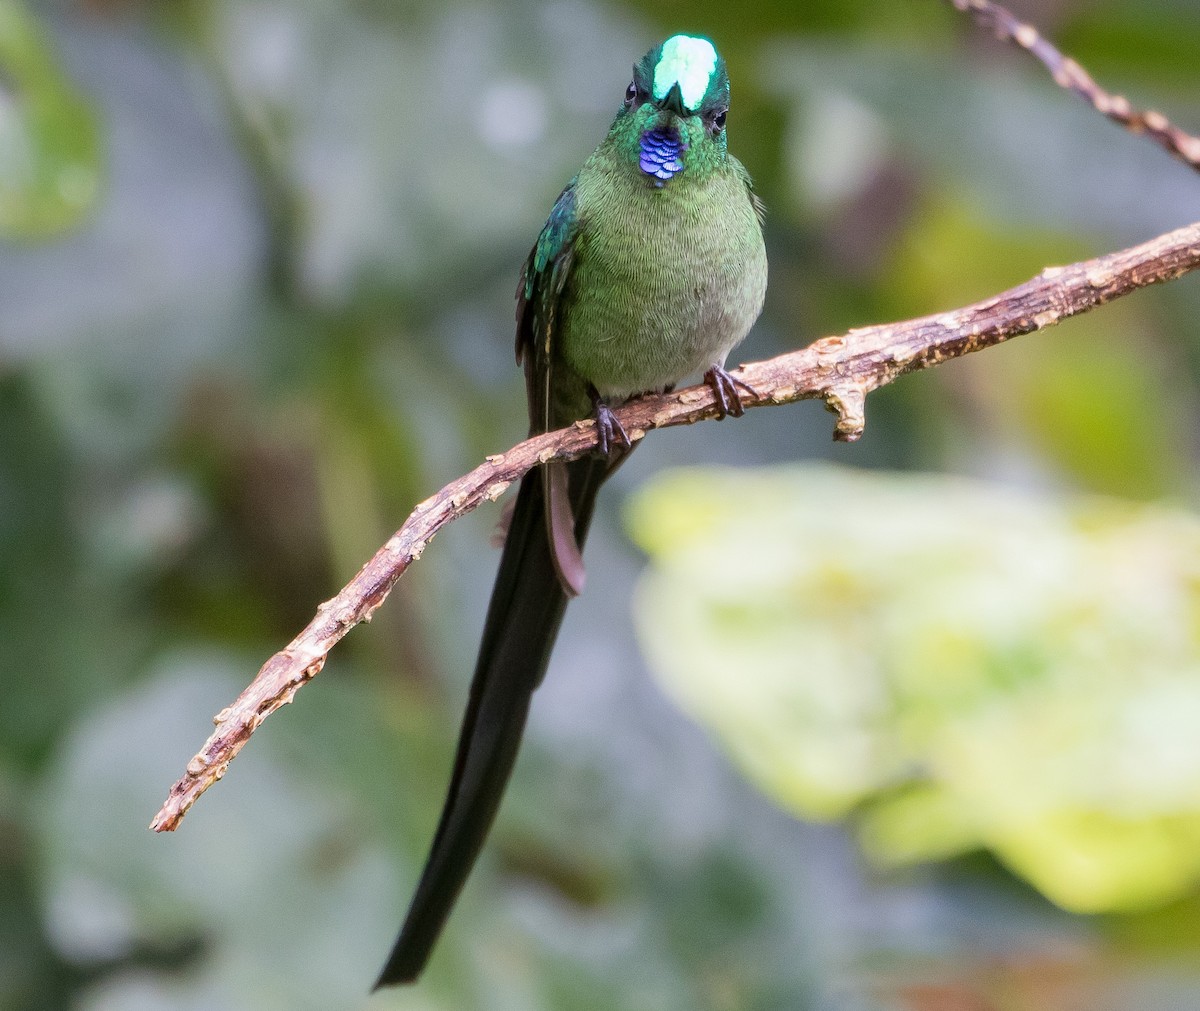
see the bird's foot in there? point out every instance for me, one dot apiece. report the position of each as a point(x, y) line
point(610, 434)
point(725, 389)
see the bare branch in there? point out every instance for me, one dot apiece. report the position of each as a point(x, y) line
point(1070, 75)
point(841, 370)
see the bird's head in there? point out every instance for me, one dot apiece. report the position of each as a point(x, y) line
point(673, 119)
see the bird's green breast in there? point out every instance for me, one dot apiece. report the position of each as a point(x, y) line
point(665, 281)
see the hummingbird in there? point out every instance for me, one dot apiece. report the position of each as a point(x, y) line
point(650, 268)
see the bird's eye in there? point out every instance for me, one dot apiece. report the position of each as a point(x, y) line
point(719, 121)
point(630, 94)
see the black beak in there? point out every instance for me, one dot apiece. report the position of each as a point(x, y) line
point(674, 101)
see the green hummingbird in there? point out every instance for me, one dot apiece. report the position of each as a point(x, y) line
point(650, 268)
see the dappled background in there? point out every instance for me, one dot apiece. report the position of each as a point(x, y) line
point(908, 724)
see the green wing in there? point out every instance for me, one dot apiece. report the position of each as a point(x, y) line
point(539, 299)
point(539, 304)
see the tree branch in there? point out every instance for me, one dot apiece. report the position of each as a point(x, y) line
point(1070, 75)
point(841, 370)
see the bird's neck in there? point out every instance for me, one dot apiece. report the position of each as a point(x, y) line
point(702, 156)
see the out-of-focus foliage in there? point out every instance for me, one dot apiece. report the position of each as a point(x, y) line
point(961, 664)
point(49, 148)
point(256, 301)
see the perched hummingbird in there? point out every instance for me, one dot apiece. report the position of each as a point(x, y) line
point(650, 268)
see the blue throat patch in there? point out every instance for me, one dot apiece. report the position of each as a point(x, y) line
point(661, 154)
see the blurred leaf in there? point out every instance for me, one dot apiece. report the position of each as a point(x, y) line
point(424, 143)
point(49, 144)
point(53, 622)
point(971, 666)
point(275, 887)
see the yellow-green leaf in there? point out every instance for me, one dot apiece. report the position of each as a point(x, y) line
point(962, 664)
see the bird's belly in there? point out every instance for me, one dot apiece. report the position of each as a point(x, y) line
point(659, 294)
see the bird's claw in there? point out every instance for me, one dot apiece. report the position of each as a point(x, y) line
point(610, 433)
point(725, 389)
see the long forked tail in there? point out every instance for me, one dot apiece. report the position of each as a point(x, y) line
point(522, 623)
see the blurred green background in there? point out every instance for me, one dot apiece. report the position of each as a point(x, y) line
point(909, 724)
